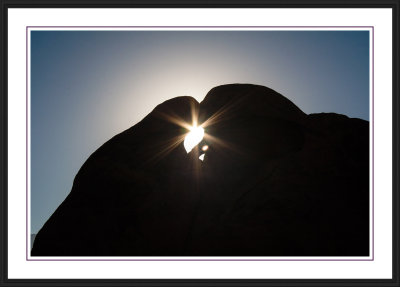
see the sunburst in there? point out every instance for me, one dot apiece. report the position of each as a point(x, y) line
point(197, 133)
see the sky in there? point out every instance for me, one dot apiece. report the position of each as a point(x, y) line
point(88, 86)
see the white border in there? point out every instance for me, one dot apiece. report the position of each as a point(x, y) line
point(20, 18)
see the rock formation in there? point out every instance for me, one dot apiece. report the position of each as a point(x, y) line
point(274, 182)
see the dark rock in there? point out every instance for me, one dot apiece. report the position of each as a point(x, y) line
point(274, 182)
point(32, 239)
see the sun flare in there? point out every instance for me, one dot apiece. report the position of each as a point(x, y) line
point(193, 138)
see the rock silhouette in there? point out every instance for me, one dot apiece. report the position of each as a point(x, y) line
point(274, 182)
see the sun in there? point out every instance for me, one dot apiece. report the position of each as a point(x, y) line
point(193, 138)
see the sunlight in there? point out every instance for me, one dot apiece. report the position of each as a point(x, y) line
point(202, 157)
point(193, 138)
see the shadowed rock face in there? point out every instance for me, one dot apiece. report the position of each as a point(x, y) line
point(274, 182)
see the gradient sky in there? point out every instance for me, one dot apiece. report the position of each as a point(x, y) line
point(87, 86)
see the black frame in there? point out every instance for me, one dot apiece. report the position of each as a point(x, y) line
point(5, 4)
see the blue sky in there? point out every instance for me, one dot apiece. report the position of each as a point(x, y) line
point(87, 86)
